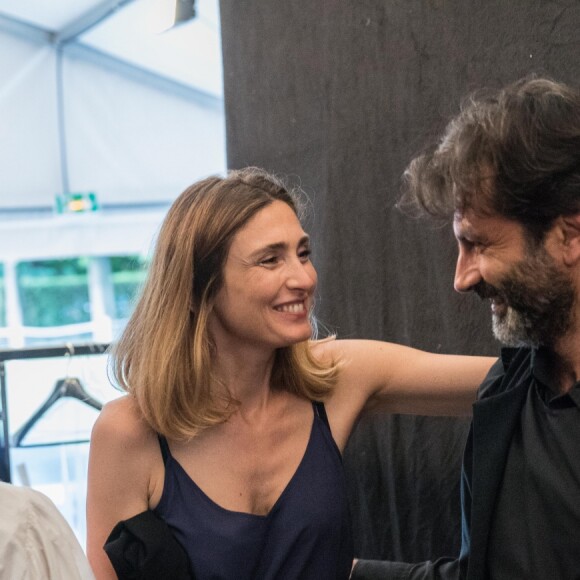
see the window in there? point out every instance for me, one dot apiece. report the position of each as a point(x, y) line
point(54, 292)
point(71, 300)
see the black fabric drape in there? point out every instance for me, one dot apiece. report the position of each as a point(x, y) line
point(337, 97)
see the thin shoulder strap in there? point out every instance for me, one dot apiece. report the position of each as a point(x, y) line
point(321, 412)
point(165, 453)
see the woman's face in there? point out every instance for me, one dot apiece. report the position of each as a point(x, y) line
point(268, 283)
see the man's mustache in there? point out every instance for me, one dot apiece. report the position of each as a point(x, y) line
point(486, 291)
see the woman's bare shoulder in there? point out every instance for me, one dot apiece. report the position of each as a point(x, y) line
point(122, 420)
point(326, 350)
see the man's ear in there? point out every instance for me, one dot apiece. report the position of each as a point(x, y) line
point(570, 232)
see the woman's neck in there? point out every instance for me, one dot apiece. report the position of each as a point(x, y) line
point(245, 374)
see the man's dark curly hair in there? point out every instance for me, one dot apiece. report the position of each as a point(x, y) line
point(514, 152)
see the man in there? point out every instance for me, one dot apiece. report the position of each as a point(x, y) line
point(508, 170)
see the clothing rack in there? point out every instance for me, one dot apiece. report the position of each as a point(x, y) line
point(31, 353)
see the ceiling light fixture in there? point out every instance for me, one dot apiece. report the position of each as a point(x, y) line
point(184, 11)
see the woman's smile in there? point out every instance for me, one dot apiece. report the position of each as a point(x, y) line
point(298, 308)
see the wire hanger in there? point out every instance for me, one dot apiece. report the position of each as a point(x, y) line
point(66, 387)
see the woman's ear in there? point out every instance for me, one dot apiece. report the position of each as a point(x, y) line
point(570, 232)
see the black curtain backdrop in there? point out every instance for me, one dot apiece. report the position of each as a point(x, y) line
point(337, 97)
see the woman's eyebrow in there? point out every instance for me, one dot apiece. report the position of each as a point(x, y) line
point(304, 240)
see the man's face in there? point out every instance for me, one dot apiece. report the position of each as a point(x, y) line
point(531, 294)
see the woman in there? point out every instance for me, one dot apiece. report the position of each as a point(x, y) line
point(219, 435)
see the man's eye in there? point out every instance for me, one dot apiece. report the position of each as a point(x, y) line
point(305, 254)
point(467, 244)
point(269, 261)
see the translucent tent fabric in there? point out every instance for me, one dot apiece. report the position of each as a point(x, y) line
point(126, 141)
point(82, 116)
point(29, 143)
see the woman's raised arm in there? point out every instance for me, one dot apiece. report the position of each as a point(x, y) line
point(399, 379)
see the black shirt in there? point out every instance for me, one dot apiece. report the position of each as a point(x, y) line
point(535, 532)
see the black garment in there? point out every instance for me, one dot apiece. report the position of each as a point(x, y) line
point(535, 530)
point(143, 548)
point(496, 418)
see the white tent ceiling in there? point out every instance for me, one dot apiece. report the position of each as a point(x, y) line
point(133, 31)
point(94, 97)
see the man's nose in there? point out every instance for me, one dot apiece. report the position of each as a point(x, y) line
point(467, 273)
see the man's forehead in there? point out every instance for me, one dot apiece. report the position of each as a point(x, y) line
point(462, 220)
point(474, 224)
point(468, 222)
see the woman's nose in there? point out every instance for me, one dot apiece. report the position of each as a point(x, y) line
point(302, 275)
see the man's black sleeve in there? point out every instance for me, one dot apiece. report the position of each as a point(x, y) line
point(441, 569)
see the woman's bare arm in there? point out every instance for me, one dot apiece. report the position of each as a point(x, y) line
point(122, 456)
point(400, 379)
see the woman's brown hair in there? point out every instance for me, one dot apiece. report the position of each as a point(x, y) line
point(165, 356)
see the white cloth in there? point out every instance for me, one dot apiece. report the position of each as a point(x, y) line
point(36, 542)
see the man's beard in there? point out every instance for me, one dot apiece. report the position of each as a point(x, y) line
point(539, 297)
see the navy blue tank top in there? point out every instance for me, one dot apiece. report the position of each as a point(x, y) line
point(305, 536)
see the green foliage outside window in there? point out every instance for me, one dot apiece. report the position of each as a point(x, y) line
point(54, 292)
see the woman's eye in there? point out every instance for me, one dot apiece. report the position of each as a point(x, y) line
point(305, 254)
point(271, 260)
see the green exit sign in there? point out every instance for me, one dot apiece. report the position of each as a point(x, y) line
point(76, 203)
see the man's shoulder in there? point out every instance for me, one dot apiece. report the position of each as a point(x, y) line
point(27, 515)
point(18, 501)
point(24, 506)
point(507, 372)
point(36, 541)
